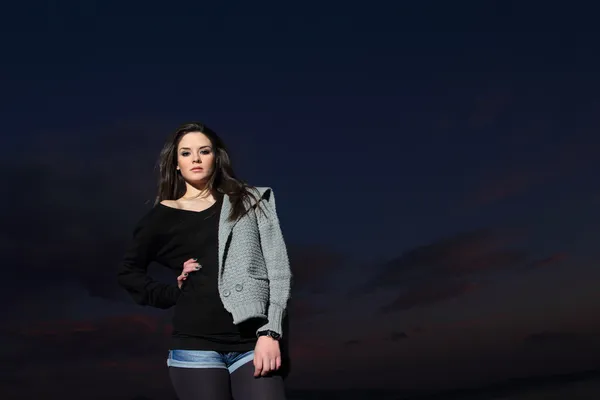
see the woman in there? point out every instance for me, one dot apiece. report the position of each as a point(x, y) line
point(223, 240)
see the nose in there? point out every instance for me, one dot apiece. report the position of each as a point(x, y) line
point(197, 159)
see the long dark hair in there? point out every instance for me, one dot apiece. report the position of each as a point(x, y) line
point(171, 185)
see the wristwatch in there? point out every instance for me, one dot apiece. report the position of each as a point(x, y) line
point(269, 333)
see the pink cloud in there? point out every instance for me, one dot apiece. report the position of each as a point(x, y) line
point(426, 295)
point(552, 259)
point(465, 323)
point(128, 324)
point(451, 257)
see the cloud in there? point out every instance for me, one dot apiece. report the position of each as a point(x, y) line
point(558, 338)
point(105, 357)
point(135, 332)
point(449, 258)
point(108, 339)
point(448, 268)
point(489, 319)
point(398, 336)
point(563, 346)
point(550, 260)
point(88, 379)
point(458, 255)
point(429, 294)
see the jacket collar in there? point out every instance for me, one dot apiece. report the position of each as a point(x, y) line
point(226, 226)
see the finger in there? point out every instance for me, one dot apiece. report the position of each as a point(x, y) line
point(190, 261)
point(266, 366)
point(273, 364)
point(278, 362)
point(192, 267)
point(257, 366)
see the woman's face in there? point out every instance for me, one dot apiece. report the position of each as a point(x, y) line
point(195, 157)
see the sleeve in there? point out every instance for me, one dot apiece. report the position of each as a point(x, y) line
point(132, 274)
point(277, 262)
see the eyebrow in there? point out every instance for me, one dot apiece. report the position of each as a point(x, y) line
point(187, 148)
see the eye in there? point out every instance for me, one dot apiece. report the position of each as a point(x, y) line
point(185, 153)
point(205, 152)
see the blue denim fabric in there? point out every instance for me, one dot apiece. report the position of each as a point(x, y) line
point(208, 359)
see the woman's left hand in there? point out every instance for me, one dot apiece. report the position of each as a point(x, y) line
point(267, 356)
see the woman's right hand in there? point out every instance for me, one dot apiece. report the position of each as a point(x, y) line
point(189, 266)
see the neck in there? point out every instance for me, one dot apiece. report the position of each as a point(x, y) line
point(196, 191)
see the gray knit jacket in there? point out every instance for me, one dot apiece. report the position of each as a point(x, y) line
point(254, 269)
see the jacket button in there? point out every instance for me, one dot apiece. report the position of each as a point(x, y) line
point(239, 287)
point(226, 293)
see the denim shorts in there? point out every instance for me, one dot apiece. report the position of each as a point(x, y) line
point(208, 359)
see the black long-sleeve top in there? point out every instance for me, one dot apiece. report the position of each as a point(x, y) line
point(170, 237)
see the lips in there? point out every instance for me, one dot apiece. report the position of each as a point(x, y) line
point(197, 169)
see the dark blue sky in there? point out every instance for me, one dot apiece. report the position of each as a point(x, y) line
point(435, 168)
